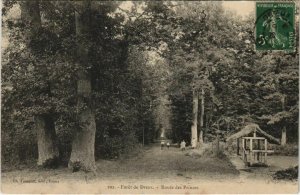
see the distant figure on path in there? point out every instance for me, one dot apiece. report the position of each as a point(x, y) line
point(182, 145)
point(162, 144)
point(168, 145)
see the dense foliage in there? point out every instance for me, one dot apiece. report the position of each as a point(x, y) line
point(146, 62)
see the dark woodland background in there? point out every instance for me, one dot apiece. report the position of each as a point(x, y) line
point(89, 80)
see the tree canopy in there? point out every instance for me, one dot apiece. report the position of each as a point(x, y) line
point(144, 62)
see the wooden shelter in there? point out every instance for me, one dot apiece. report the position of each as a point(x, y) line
point(254, 144)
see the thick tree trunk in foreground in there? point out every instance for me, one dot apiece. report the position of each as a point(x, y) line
point(47, 148)
point(83, 146)
point(283, 136)
point(195, 120)
point(201, 118)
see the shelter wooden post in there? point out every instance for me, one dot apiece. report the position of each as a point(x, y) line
point(243, 148)
point(258, 154)
point(250, 152)
point(266, 150)
point(254, 135)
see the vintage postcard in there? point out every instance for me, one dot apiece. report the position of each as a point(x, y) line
point(149, 97)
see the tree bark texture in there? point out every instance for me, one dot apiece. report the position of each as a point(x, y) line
point(44, 125)
point(195, 120)
point(201, 118)
point(47, 146)
point(283, 136)
point(283, 131)
point(83, 145)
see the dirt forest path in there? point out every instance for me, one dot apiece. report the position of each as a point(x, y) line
point(150, 163)
point(169, 163)
point(151, 167)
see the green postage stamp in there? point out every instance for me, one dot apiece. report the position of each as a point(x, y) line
point(275, 26)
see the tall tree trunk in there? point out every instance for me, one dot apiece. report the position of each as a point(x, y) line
point(283, 131)
point(47, 146)
point(283, 136)
point(46, 135)
point(201, 118)
point(83, 145)
point(195, 119)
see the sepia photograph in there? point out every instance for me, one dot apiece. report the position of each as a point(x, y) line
point(149, 97)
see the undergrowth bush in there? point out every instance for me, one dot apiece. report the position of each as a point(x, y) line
point(208, 150)
point(287, 174)
point(287, 150)
point(114, 147)
point(213, 151)
point(18, 143)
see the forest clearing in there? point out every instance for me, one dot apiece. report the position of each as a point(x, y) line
point(165, 95)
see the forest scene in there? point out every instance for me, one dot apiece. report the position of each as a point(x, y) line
point(144, 90)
